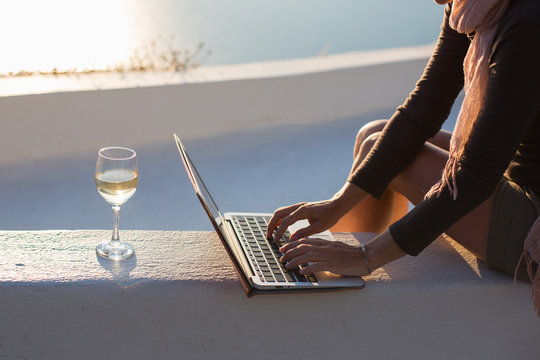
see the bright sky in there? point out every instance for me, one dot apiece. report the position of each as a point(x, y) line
point(68, 34)
point(41, 35)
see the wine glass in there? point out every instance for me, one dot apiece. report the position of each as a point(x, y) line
point(116, 178)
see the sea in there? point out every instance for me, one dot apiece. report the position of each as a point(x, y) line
point(37, 35)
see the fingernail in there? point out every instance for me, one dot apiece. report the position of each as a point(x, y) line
point(287, 265)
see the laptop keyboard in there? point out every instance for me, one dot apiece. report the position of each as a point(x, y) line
point(264, 255)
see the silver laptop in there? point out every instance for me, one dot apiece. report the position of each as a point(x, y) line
point(255, 258)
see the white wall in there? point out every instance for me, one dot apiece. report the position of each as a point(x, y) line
point(179, 298)
point(70, 122)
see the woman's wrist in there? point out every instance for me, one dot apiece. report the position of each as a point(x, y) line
point(348, 196)
point(365, 259)
point(382, 250)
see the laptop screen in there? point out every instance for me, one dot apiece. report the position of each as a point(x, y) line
point(198, 184)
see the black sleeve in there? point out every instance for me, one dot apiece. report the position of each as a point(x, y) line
point(420, 117)
point(510, 108)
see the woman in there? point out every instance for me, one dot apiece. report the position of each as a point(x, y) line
point(487, 197)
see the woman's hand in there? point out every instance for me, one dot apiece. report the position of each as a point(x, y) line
point(324, 255)
point(321, 214)
point(340, 258)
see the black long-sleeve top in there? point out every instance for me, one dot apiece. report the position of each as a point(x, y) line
point(505, 139)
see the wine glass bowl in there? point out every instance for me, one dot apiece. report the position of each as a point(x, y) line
point(116, 180)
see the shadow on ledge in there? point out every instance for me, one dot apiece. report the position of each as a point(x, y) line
point(443, 261)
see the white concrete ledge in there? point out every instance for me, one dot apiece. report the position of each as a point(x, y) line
point(179, 299)
point(79, 114)
point(13, 86)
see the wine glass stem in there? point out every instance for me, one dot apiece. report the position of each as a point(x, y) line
point(116, 217)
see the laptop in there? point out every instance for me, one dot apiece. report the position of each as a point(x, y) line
point(255, 258)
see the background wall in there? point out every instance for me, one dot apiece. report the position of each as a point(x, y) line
point(66, 123)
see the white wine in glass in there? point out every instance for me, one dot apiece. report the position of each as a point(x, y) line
point(116, 178)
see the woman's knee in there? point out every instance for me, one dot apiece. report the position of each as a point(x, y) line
point(367, 144)
point(361, 151)
point(366, 131)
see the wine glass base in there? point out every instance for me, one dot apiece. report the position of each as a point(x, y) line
point(119, 251)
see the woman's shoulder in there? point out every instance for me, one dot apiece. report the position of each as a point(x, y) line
point(522, 12)
point(521, 21)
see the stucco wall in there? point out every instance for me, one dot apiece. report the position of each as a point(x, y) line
point(179, 298)
point(84, 116)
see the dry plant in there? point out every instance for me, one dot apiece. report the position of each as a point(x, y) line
point(160, 55)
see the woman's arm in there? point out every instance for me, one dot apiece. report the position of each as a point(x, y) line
point(341, 258)
point(511, 107)
point(420, 117)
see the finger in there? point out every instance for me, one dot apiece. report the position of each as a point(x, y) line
point(275, 220)
point(308, 257)
point(316, 266)
point(314, 228)
point(272, 226)
point(288, 220)
point(310, 241)
point(295, 252)
point(303, 246)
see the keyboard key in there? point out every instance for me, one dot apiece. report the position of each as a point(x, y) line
point(299, 277)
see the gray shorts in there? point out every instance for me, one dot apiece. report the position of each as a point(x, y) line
point(514, 211)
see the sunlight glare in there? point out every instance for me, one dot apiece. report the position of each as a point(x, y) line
point(64, 34)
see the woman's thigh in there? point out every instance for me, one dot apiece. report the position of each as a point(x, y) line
point(418, 178)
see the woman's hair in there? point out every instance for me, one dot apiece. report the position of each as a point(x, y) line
point(480, 17)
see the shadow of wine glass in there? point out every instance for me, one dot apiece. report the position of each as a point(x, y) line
point(120, 270)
